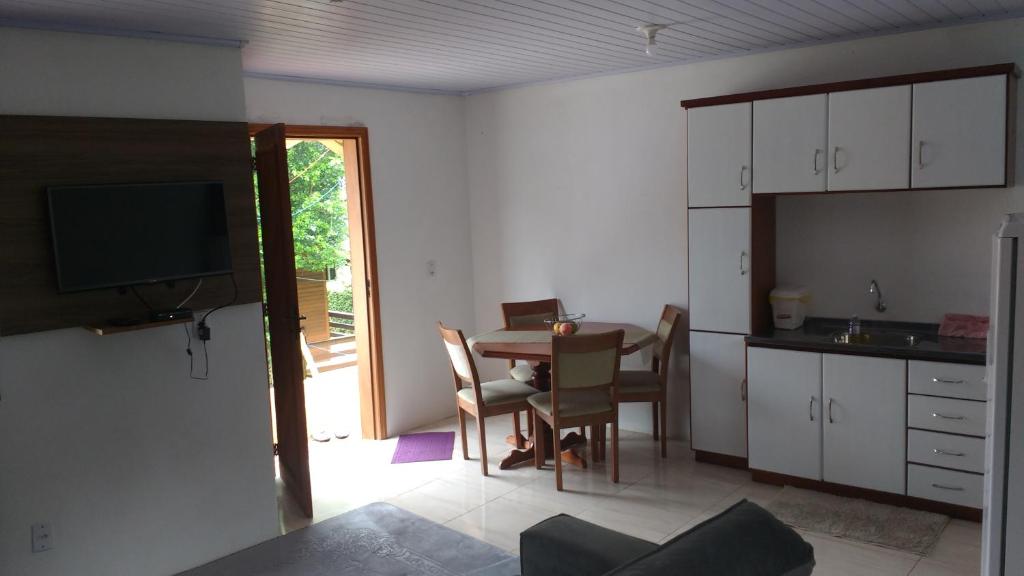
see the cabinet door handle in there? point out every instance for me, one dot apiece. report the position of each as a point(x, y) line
point(817, 152)
point(944, 487)
point(743, 263)
point(920, 154)
point(941, 452)
point(830, 420)
point(743, 390)
point(810, 409)
point(946, 416)
point(946, 381)
point(835, 160)
point(743, 182)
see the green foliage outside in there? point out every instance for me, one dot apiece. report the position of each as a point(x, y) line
point(316, 178)
point(340, 301)
point(319, 213)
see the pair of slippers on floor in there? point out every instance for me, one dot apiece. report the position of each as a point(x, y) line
point(325, 435)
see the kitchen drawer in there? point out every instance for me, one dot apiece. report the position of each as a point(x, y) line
point(961, 488)
point(944, 379)
point(946, 450)
point(946, 415)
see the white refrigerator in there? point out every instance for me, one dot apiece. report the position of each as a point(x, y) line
point(1003, 529)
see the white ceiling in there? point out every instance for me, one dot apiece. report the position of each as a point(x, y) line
point(470, 45)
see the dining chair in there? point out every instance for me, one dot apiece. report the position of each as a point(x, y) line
point(652, 385)
point(518, 314)
point(481, 399)
point(584, 384)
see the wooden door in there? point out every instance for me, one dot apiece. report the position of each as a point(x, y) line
point(790, 141)
point(784, 411)
point(718, 155)
point(865, 424)
point(720, 269)
point(718, 415)
point(283, 314)
point(869, 139)
point(959, 134)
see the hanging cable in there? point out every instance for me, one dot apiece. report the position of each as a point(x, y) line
point(191, 294)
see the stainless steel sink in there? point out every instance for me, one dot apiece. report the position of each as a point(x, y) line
point(877, 338)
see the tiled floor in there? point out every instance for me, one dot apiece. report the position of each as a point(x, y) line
point(655, 499)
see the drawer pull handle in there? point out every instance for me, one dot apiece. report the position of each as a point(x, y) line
point(830, 420)
point(947, 416)
point(810, 409)
point(944, 487)
point(941, 452)
point(946, 381)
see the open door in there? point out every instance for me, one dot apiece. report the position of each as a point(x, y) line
point(283, 314)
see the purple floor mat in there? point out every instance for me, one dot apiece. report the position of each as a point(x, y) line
point(423, 447)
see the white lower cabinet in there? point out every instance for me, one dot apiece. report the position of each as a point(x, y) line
point(952, 486)
point(718, 393)
point(864, 443)
point(831, 417)
point(784, 412)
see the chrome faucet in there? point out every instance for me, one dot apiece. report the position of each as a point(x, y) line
point(879, 302)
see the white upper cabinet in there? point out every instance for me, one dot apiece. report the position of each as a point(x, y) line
point(790, 141)
point(959, 133)
point(869, 139)
point(720, 269)
point(865, 422)
point(784, 411)
point(718, 155)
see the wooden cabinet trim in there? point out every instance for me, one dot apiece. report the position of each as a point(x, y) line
point(847, 85)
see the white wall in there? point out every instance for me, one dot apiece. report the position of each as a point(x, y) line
point(139, 469)
point(929, 251)
point(421, 209)
point(53, 73)
point(577, 190)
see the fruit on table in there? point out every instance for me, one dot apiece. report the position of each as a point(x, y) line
point(556, 327)
point(566, 328)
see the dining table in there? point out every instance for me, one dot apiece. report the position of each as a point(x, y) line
point(532, 343)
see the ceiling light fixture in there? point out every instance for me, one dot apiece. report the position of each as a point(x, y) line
point(650, 32)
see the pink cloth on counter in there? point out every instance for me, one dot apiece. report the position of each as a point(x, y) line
point(964, 326)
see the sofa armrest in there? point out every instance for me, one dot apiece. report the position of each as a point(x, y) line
point(566, 546)
point(745, 540)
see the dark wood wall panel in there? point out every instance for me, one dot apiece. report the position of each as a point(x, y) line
point(41, 151)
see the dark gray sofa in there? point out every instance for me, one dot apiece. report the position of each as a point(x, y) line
point(743, 540)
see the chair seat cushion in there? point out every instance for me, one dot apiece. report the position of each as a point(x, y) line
point(522, 373)
point(499, 392)
point(638, 382)
point(573, 403)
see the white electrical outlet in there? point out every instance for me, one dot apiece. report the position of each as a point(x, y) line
point(42, 538)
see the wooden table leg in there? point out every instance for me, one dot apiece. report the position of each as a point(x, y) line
point(572, 440)
point(570, 444)
point(511, 439)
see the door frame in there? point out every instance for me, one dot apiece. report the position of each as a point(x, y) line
point(369, 345)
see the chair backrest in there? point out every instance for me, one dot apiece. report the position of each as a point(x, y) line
point(585, 362)
point(529, 313)
point(463, 366)
point(672, 318)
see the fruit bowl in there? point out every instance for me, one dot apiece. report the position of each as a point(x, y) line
point(566, 324)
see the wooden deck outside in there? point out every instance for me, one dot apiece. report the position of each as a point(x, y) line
point(337, 352)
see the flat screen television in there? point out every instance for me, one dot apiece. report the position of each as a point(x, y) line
point(133, 234)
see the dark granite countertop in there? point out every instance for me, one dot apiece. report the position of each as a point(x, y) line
point(816, 336)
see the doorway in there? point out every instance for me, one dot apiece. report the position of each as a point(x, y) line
point(322, 316)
